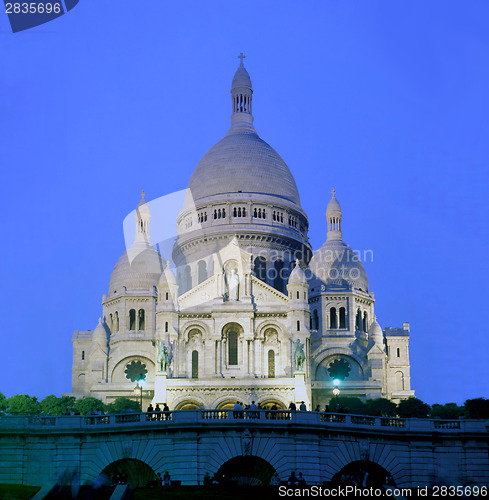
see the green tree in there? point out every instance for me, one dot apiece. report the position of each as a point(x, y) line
point(380, 406)
point(413, 408)
point(122, 404)
point(22, 404)
point(3, 404)
point(52, 405)
point(85, 405)
point(339, 404)
point(477, 408)
point(448, 411)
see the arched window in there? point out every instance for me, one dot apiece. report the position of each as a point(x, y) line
point(254, 213)
point(116, 321)
point(298, 326)
point(202, 271)
point(271, 363)
point(187, 279)
point(111, 322)
point(132, 319)
point(399, 381)
point(298, 295)
point(365, 321)
point(342, 317)
point(398, 352)
point(195, 364)
point(83, 355)
point(279, 281)
point(315, 320)
point(235, 212)
point(141, 319)
point(233, 348)
point(261, 268)
point(333, 318)
point(166, 296)
point(359, 320)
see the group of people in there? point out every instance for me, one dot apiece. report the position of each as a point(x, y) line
point(293, 407)
point(157, 413)
point(161, 481)
point(296, 480)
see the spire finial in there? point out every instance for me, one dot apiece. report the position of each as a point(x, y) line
point(241, 56)
point(333, 191)
point(142, 194)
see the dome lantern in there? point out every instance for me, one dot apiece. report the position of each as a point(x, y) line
point(241, 92)
point(143, 217)
point(333, 215)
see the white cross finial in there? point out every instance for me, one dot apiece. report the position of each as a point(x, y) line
point(333, 191)
point(241, 56)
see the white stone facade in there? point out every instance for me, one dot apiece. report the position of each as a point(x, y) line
point(245, 311)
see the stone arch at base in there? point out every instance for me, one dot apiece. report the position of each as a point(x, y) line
point(188, 403)
point(245, 470)
point(267, 402)
point(136, 472)
point(363, 473)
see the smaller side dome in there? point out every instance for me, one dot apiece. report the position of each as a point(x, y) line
point(375, 332)
point(297, 276)
point(99, 334)
point(139, 267)
point(167, 277)
point(335, 263)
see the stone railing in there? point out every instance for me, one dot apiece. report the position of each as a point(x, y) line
point(230, 417)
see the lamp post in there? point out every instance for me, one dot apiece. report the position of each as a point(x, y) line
point(336, 391)
point(138, 391)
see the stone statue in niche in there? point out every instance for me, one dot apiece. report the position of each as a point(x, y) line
point(233, 285)
point(299, 355)
point(163, 359)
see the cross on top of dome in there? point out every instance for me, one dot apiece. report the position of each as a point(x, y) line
point(241, 56)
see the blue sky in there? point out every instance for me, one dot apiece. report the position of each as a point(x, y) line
point(385, 101)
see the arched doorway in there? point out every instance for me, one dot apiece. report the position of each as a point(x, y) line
point(363, 473)
point(135, 472)
point(246, 470)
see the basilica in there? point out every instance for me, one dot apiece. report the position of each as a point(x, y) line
point(242, 309)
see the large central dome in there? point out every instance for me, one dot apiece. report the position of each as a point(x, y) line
point(242, 162)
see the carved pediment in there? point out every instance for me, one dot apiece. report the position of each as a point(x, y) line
point(266, 295)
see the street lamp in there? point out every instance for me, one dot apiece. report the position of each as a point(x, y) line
point(336, 391)
point(138, 391)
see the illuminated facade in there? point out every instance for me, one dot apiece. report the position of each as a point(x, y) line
point(242, 309)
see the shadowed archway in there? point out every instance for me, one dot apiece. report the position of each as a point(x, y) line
point(363, 473)
point(246, 470)
point(136, 472)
